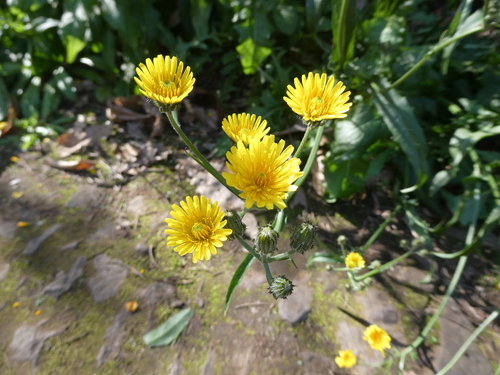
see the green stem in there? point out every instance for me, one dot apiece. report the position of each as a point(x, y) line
point(429, 54)
point(383, 267)
point(279, 221)
point(379, 230)
point(451, 288)
point(310, 161)
point(269, 275)
point(250, 249)
point(469, 341)
point(302, 143)
point(242, 213)
point(172, 116)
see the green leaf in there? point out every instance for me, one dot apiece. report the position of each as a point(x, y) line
point(237, 277)
point(323, 257)
point(4, 100)
point(354, 134)
point(406, 131)
point(167, 332)
point(343, 28)
point(251, 55)
point(51, 98)
point(73, 47)
point(200, 14)
point(286, 19)
point(344, 178)
point(64, 83)
point(30, 101)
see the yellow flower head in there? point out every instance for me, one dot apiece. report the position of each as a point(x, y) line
point(164, 79)
point(14, 159)
point(377, 338)
point(353, 260)
point(197, 227)
point(22, 224)
point(345, 359)
point(17, 194)
point(244, 127)
point(262, 172)
point(316, 98)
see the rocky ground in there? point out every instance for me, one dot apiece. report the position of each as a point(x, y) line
point(83, 250)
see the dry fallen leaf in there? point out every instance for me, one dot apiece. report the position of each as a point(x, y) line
point(131, 306)
point(71, 165)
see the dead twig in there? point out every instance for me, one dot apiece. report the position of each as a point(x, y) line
point(249, 304)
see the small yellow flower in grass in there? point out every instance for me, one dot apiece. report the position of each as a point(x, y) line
point(39, 185)
point(354, 260)
point(38, 312)
point(17, 194)
point(22, 224)
point(244, 127)
point(142, 270)
point(14, 159)
point(15, 304)
point(346, 359)
point(317, 98)
point(262, 172)
point(197, 227)
point(164, 80)
point(377, 338)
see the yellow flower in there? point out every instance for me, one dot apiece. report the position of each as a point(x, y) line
point(353, 260)
point(38, 312)
point(244, 127)
point(498, 285)
point(164, 79)
point(262, 172)
point(15, 304)
point(197, 227)
point(345, 359)
point(22, 224)
point(142, 270)
point(16, 194)
point(14, 159)
point(316, 98)
point(377, 338)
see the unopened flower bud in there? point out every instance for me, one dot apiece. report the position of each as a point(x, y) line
point(303, 237)
point(234, 222)
point(280, 287)
point(341, 240)
point(266, 241)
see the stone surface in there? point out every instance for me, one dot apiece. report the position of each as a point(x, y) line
point(115, 334)
point(137, 206)
point(86, 196)
point(297, 307)
point(63, 283)
point(4, 269)
point(28, 341)
point(207, 185)
point(35, 243)
point(109, 276)
point(107, 232)
point(316, 363)
point(455, 329)
point(8, 229)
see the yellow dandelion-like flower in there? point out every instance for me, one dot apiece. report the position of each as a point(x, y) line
point(262, 172)
point(377, 338)
point(22, 224)
point(164, 79)
point(354, 260)
point(14, 159)
point(345, 359)
point(38, 312)
point(15, 304)
point(197, 227)
point(244, 127)
point(17, 194)
point(317, 98)
point(498, 285)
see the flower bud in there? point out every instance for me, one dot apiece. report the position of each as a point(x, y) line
point(234, 222)
point(341, 240)
point(303, 237)
point(266, 241)
point(280, 287)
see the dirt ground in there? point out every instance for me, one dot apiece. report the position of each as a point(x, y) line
point(105, 246)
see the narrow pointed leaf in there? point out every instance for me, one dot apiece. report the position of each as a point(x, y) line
point(167, 332)
point(237, 277)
